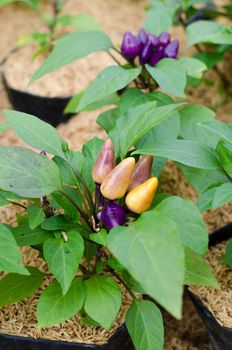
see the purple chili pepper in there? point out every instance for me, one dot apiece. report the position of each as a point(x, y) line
point(130, 45)
point(143, 37)
point(42, 153)
point(157, 56)
point(154, 40)
point(146, 53)
point(171, 50)
point(164, 38)
point(113, 215)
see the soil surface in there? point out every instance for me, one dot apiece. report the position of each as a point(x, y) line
point(115, 18)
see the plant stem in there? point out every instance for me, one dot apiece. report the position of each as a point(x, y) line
point(122, 282)
point(18, 204)
point(82, 213)
point(114, 58)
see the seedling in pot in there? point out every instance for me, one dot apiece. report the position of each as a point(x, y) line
point(101, 225)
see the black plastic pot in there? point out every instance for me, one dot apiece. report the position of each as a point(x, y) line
point(220, 337)
point(49, 109)
point(120, 340)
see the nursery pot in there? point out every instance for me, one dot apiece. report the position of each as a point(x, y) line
point(49, 109)
point(120, 340)
point(220, 337)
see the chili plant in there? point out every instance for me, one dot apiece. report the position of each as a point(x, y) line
point(210, 38)
point(99, 222)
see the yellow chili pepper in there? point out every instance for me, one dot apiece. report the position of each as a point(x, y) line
point(140, 198)
point(104, 163)
point(115, 184)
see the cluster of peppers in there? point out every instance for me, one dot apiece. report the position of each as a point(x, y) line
point(149, 47)
point(122, 189)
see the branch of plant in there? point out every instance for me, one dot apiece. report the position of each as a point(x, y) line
point(120, 280)
point(18, 204)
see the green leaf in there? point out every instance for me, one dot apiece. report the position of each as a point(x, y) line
point(54, 307)
point(218, 129)
point(71, 48)
point(36, 216)
point(27, 173)
point(145, 325)
point(4, 127)
point(228, 255)
point(225, 153)
point(58, 222)
point(205, 201)
point(103, 299)
point(83, 22)
point(158, 19)
point(190, 116)
point(25, 236)
point(14, 287)
point(35, 132)
point(100, 237)
point(107, 120)
point(193, 67)
point(151, 251)
point(198, 272)
point(170, 76)
point(222, 195)
point(210, 59)
point(72, 106)
point(111, 79)
point(63, 258)
point(208, 32)
point(185, 152)
point(131, 127)
point(191, 227)
point(92, 148)
point(10, 257)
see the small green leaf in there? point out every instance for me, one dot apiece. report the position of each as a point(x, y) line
point(151, 251)
point(103, 299)
point(219, 129)
point(27, 173)
point(191, 227)
point(100, 237)
point(170, 76)
point(25, 236)
point(225, 152)
point(145, 325)
point(197, 271)
point(111, 79)
point(71, 48)
point(58, 223)
point(14, 287)
point(10, 257)
point(222, 195)
point(205, 201)
point(36, 216)
point(83, 22)
point(35, 132)
point(208, 32)
point(54, 307)
point(92, 148)
point(185, 152)
point(193, 67)
point(63, 258)
point(107, 120)
point(158, 19)
point(210, 59)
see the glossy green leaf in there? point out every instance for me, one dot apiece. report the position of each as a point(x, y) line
point(209, 32)
point(71, 48)
point(107, 120)
point(218, 129)
point(25, 236)
point(185, 152)
point(58, 222)
point(205, 200)
point(100, 237)
point(27, 173)
point(14, 287)
point(35, 132)
point(36, 216)
point(151, 247)
point(198, 272)
point(222, 195)
point(111, 79)
point(131, 127)
point(103, 299)
point(54, 307)
point(191, 227)
point(145, 325)
point(190, 116)
point(210, 59)
point(193, 67)
point(91, 148)
point(63, 257)
point(84, 22)
point(170, 76)
point(225, 153)
point(10, 257)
